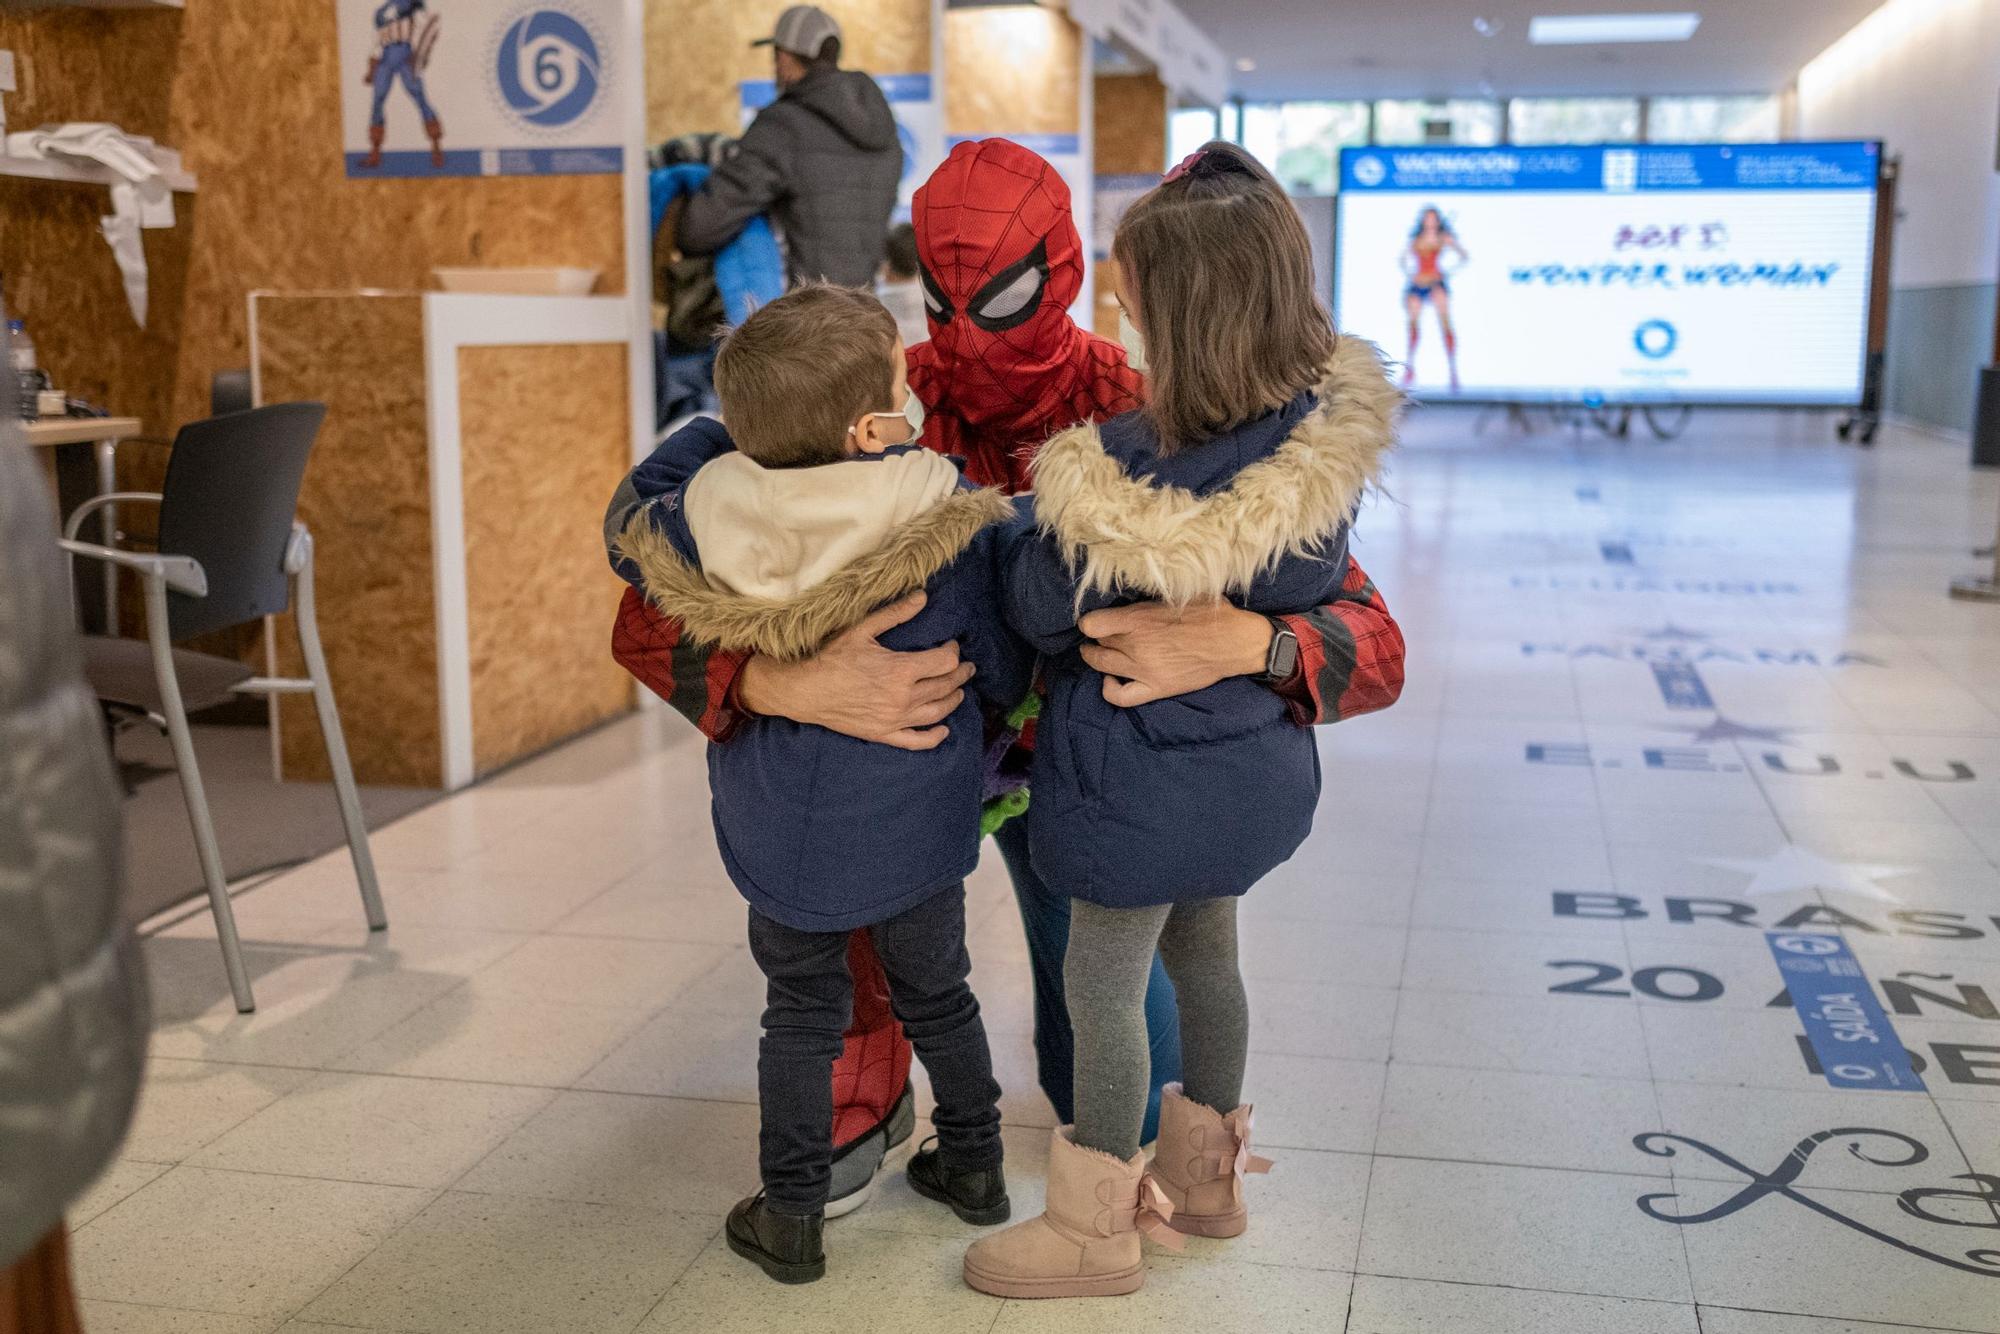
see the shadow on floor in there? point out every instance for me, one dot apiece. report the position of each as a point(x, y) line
point(260, 823)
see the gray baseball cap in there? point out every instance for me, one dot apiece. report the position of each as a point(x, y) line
point(802, 30)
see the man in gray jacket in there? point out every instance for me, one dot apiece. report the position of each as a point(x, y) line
point(72, 1000)
point(823, 161)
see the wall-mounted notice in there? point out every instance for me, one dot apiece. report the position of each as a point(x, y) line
point(1115, 192)
point(476, 88)
point(912, 100)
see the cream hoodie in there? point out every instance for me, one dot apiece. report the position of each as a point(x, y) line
point(773, 533)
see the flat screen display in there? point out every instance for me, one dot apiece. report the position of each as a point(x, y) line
point(1702, 273)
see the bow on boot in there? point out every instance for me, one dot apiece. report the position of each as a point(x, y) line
point(1239, 1123)
point(1199, 1163)
point(1155, 1217)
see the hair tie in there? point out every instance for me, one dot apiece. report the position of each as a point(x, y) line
point(1184, 166)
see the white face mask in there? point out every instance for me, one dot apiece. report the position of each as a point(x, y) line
point(1133, 341)
point(913, 413)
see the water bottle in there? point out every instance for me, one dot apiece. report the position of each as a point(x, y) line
point(28, 378)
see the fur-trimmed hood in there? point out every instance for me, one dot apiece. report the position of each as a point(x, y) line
point(791, 558)
point(1122, 533)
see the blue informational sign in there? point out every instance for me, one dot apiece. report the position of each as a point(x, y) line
point(1850, 1033)
point(502, 88)
point(1615, 170)
point(1634, 274)
point(1681, 685)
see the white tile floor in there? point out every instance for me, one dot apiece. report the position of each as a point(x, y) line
point(527, 1106)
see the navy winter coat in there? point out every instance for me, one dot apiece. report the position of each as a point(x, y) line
point(1198, 796)
point(820, 831)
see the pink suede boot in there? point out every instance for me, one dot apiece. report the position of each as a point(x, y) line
point(1199, 1161)
point(1087, 1243)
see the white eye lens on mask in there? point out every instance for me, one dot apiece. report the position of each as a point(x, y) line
point(1134, 342)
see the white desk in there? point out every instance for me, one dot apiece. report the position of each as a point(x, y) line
point(81, 430)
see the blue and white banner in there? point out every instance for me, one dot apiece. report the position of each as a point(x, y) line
point(1616, 170)
point(919, 127)
point(473, 88)
point(1850, 1033)
point(1723, 273)
point(1115, 192)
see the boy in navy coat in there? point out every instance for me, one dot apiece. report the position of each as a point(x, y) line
point(823, 512)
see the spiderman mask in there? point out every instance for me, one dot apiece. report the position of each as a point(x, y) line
point(1001, 262)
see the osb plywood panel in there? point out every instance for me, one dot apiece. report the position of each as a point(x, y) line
point(256, 113)
point(1129, 124)
point(249, 92)
point(1104, 298)
point(545, 442)
point(1129, 137)
point(367, 501)
point(698, 51)
point(1012, 70)
point(60, 277)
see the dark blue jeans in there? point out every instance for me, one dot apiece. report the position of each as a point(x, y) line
point(1045, 915)
point(809, 997)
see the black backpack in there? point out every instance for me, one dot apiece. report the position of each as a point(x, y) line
point(685, 284)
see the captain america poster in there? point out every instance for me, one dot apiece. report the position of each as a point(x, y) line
point(474, 88)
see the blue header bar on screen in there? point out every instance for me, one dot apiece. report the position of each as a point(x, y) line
point(1046, 144)
point(1635, 169)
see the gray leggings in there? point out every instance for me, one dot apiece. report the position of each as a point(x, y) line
point(1110, 956)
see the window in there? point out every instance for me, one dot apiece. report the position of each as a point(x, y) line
point(1712, 120)
point(1189, 128)
point(1573, 120)
point(1232, 122)
point(1301, 141)
point(1470, 122)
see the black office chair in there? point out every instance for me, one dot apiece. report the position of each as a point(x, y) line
point(231, 549)
point(229, 391)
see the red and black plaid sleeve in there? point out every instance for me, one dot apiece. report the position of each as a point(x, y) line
point(1350, 656)
point(697, 679)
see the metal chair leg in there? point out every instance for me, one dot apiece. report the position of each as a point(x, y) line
point(336, 746)
point(196, 795)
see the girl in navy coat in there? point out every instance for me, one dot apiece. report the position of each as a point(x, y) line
point(1237, 480)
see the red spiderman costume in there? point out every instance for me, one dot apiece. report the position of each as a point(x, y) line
point(1005, 369)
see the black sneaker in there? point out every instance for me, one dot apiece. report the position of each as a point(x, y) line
point(858, 1162)
point(785, 1246)
point(979, 1197)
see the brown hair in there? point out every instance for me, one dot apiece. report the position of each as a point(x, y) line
point(1219, 265)
point(795, 375)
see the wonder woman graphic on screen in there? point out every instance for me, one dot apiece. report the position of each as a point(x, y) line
point(1423, 262)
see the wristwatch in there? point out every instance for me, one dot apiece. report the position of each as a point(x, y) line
point(1283, 658)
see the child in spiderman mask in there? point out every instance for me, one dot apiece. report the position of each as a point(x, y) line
point(1005, 369)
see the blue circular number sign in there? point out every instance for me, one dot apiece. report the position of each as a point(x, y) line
point(548, 68)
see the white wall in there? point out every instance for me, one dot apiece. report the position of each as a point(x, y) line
point(1923, 76)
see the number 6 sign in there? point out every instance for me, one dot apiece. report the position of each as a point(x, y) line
point(495, 88)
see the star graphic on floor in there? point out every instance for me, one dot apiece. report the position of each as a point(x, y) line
point(1793, 868)
point(1727, 729)
point(1672, 631)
